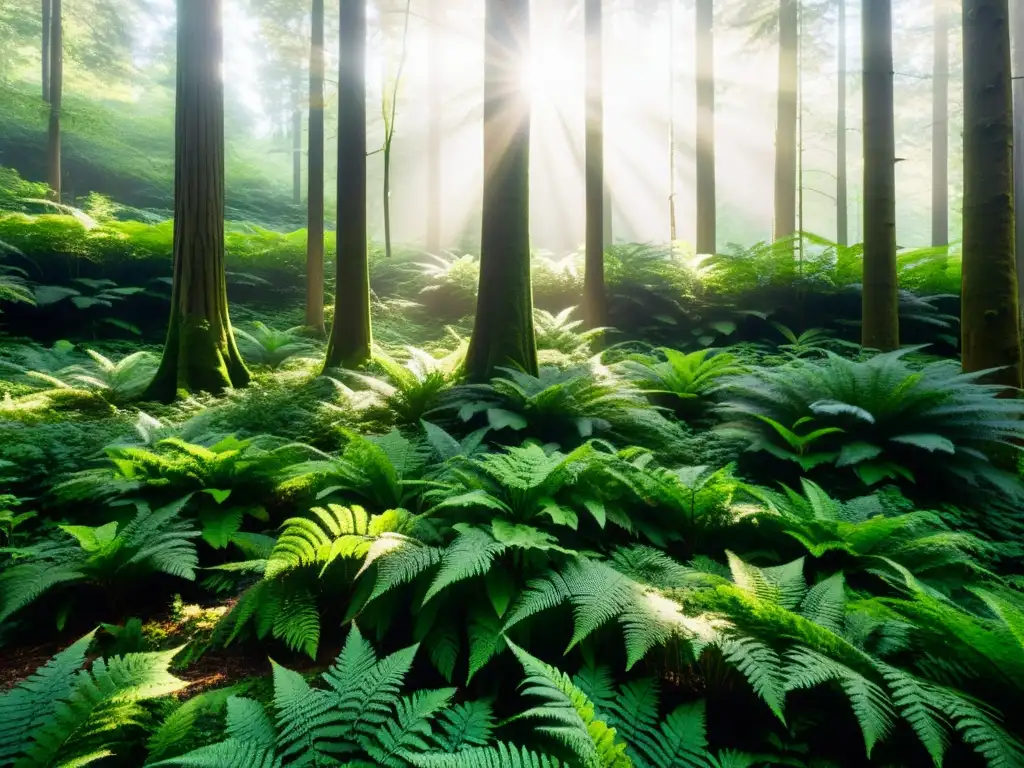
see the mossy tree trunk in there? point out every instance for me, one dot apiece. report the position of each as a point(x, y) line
point(351, 341)
point(940, 126)
point(786, 121)
point(56, 91)
point(315, 195)
point(990, 323)
point(435, 135)
point(1017, 17)
point(880, 307)
point(842, 183)
point(47, 12)
point(707, 237)
point(200, 354)
point(503, 332)
point(594, 302)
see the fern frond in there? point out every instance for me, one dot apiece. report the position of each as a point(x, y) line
point(471, 554)
point(465, 726)
point(571, 715)
point(871, 705)
point(782, 585)
point(27, 707)
point(761, 666)
point(103, 702)
point(226, 754)
point(407, 731)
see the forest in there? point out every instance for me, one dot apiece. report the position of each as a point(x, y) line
point(511, 383)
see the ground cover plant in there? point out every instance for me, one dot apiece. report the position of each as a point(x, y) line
point(274, 493)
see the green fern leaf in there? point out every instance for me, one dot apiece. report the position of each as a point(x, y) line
point(872, 707)
point(408, 730)
point(825, 603)
point(226, 754)
point(571, 715)
point(471, 554)
point(302, 713)
point(27, 707)
point(465, 726)
point(761, 666)
point(782, 585)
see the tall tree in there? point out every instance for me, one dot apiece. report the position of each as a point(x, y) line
point(315, 195)
point(503, 332)
point(56, 96)
point(880, 313)
point(351, 339)
point(990, 323)
point(593, 282)
point(786, 120)
point(435, 135)
point(706, 210)
point(47, 10)
point(200, 352)
point(1017, 17)
point(940, 127)
point(842, 185)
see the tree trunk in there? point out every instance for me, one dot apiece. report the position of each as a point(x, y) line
point(503, 332)
point(786, 119)
point(990, 323)
point(56, 96)
point(351, 340)
point(842, 202)
point(315, 195)
point(940, 127)
point(200, 352)
point(435, 135)
point(880, 314)
point(1017, 18)
point(296, 143)
point(47, 10)
point(593, 282)
point(707, 239)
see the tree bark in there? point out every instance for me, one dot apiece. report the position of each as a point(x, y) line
point(56, 96)
point(593, 281)
point(435, 136)
point(707, 238)
point(503, 332)
point(842, 185)
point(296, 144)
point(315, 195)
point(880, 311)
point(990, 323)
point(47, 11)
point(1017, 18)
point(940, 127)
point(786, 121)
point(351, 340)
point(200, 353)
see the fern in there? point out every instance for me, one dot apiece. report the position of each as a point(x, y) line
point(871, 705)
point(633, 710)
point(600, 593)
point(762, 668)
point(498, 756)
point(570, 715)
point(85, 713)
point(153, 541)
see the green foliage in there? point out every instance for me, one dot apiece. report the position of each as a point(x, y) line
point(559, 342)
point(270, 347)
point(111, 555)
point(64, 715)
point(565, 407)
point(880, 419)
point(362, 716)
point(685, 382)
